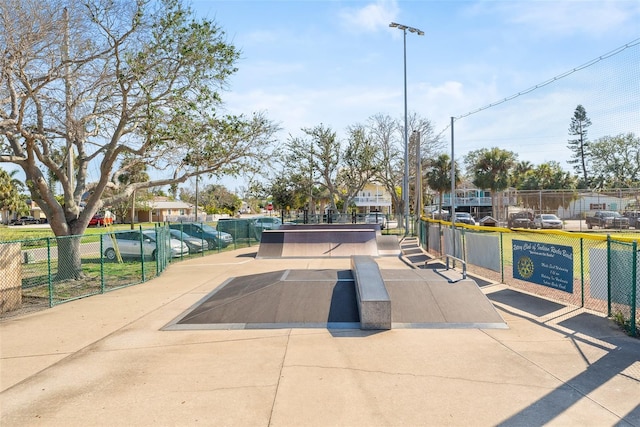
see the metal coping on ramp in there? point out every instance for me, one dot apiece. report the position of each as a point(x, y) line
point(312, 241)
point(327, 299)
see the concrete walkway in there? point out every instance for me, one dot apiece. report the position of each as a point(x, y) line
point(105, 360)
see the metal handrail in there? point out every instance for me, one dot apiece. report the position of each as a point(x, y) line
point(463, 262)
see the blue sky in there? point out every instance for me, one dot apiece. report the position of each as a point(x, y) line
point(338, 63)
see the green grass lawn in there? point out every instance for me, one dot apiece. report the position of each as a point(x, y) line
point(10, 234)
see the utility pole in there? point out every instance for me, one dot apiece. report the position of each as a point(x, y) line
point(418, 206)
point(405, 181)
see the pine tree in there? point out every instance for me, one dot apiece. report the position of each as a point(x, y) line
point(580, 145)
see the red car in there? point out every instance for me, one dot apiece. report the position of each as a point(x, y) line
point(99, 220)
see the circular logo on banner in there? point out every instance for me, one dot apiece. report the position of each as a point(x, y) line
point(525, 267)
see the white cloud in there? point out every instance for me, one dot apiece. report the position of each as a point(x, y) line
point(371, 17)
point(338, 107)
point(562, 18)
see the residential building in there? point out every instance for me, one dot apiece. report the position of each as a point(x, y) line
point(373, 198)
point(161, 209)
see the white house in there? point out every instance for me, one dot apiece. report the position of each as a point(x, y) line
point(373, 198)
point(589, 202)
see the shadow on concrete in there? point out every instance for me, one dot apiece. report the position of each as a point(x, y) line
point(587, 323)
point(343, 306)
point(481, 281)
point(620, 360)
point(417, 259)
point(248, 255)
point(528, 303)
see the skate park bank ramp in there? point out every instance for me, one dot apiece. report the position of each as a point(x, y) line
point(328, 299)
point(319, 240)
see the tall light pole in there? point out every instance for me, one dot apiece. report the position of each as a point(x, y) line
point(418, 196)
point(405, 181)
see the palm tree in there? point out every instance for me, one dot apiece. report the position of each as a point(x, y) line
point(490, 169)
point(10, 186)
point(520, 171)
point(438, 176)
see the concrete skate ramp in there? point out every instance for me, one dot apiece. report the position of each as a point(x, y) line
point(388, 245)
point(318, 242)
point(427, 298)
point(327, 299)
point(280, 299)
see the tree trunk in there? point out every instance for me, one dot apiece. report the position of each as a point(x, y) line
point(133, 208)
point(69, 258)
point(493, 205)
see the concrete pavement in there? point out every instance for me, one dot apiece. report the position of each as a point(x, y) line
point(105, 360)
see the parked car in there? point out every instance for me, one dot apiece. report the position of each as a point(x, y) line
point(24, 220)
point(376, 218)
point(195, 245)
point(237, 228)
point(464, 218)
point(262, 223)
point(520, 220)
point(634, 218)
point(131, 244)
point(439, 214)
point(548, 221)
point(267, 223)
point(98, 220)
point(215, 239)
point(607, 219)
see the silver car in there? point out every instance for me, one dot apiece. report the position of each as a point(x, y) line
point(195, 245)
point(376, 218)
point(547, 221)
point(130, 244)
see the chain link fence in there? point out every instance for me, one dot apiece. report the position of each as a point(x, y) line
point(594, 271)
point(389, 224)
point(41, 273)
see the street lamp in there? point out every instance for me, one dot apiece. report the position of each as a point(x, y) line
point(405, 181)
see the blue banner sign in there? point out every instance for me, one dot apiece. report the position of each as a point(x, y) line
point(544, 264)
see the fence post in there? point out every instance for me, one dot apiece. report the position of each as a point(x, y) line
point(501, 259)
point(608, 275)
point(582, 270)
point(425, 242)
point(463, 244)
point(102, 286)
point(634, 289)
point(49, 278)
point(424, 226)
point(142, 251)
point(162, 244)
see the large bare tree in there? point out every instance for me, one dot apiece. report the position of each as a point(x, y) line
point(383, 132)
point(97, 80)
point(388, 135)
point(318, 155)
point(360, 164)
